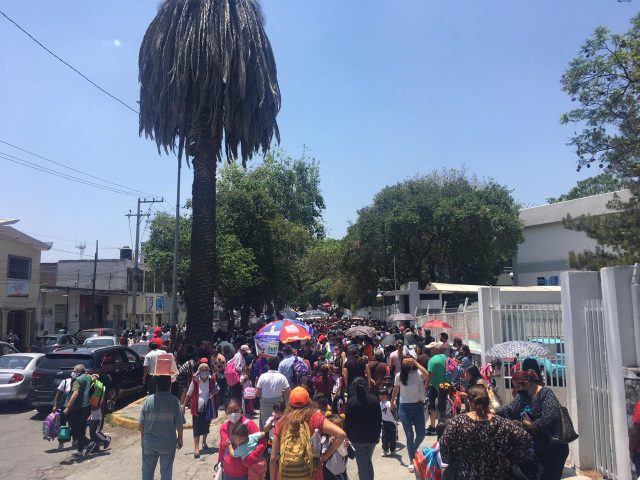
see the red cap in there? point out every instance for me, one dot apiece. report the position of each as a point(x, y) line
point(157, 330)
point(203, 360)
point(322, 338)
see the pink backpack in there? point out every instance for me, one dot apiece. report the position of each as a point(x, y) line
point(230, 373)
point(485, 372)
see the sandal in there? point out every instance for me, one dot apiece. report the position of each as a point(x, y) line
point(205, 446)
point(196, 455)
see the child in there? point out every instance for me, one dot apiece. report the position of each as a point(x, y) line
point(323, 404)
point(388, 424)
point(96, 401)
point(274, 419)
point(335, 468)
point(248, 394)
point(245, 445)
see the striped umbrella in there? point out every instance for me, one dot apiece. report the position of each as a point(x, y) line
point(285, 331)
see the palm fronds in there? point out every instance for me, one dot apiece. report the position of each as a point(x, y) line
point(207, 71)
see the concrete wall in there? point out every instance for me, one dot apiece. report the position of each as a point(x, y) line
point(110, 274)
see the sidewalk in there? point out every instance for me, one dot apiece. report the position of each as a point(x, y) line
point(129, 415)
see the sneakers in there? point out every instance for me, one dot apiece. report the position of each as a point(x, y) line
point(91, 448)
point(77, 454)
point(411, 469)
point(431, 431)
point(385, 453)
point(107, 442)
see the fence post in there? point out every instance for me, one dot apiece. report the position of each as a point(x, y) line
point(577, 289)
point(489, 319)
point(616, 301)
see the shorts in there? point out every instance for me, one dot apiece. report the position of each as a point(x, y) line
point(432, 397)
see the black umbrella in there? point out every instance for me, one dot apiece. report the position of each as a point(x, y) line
point(361, 331)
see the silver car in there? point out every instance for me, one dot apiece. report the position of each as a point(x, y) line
point(101, 342)
point(15, 374)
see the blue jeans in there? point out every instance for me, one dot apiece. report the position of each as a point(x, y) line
point(150, 458)
point(364, 452)
point(412, 416)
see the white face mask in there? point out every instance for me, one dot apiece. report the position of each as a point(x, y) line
point(204, 375)
point(234, 417)
point(74, 375)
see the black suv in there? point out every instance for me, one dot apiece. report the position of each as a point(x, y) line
point(119, 368)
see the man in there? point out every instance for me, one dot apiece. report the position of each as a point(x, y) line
point(324, 348)
point(427, 337)
point(446, 346)
point(457, 348)
point(218, 364)
point(160, 424)
point(240, 363)
point(77, 409)
point(395, 359)
point(272, 386)
point(157, 338)
point(13, 339)
point(436, 374)
point(286, 365)
point(149, 364)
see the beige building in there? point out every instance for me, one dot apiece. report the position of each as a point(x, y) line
point(19, 282)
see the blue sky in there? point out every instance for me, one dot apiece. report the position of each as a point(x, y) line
point(379, 91)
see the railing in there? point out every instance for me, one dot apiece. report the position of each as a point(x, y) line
point(465, 325)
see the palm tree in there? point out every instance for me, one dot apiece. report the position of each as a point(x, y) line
point(207, 78)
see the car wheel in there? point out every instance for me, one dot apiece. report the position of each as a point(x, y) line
point(111, 400)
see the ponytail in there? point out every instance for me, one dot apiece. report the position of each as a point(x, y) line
point(479, 400)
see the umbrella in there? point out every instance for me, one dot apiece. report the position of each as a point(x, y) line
point(223, 343)
point(401, 317)
point(360, 330)
point(285, 331)
point(436, 324)
point(313, 314)
point(518, 348)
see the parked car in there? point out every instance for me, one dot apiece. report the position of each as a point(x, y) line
point(95, 332)
point(101, 341)
point(141, 348)
point(554, 367)
point(6, 348)
point(15, 374)
point(119, 368)
point(49, 343)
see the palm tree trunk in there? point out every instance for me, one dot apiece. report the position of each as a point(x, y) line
point(202, 278)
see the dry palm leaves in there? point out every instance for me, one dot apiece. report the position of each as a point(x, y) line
point(207, 73)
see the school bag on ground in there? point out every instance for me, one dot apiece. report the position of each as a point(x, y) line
point(51, 426)
point(296, 455)
point(231, 374)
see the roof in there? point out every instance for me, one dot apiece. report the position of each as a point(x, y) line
point(555, 212)
point(16, 235)
point(436, 287)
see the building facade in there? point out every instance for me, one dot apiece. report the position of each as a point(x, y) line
point(19, 282)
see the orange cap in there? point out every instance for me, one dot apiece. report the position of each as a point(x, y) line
point(299, 397)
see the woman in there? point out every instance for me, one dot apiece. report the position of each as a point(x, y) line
point(200, 397)
point(299, 411)
point(479, 445)
point(408, 399)
point(323, 381)
point(355, 366)
point(363, 419)
point(233, 468)
point(539, 410)
point(466, 359)
point(379, 370)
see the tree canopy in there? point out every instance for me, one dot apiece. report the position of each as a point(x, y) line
point(603, 183)
point(445, 227)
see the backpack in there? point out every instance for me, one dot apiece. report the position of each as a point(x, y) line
point(230, 374)
point(485, 372)
point(453, 369)
point(296, 455)
point(300, 371)
point(51, 426)
point(96, 393)
point(427, 463)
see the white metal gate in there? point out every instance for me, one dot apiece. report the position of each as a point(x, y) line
point(538, 323)
point(605, 448)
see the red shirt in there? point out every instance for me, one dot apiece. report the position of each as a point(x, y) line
point(636, 418)
point(234, 466)
point(158, 341)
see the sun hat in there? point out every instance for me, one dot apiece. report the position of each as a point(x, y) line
point(299, 397)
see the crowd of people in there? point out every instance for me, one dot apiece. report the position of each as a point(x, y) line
point(318, 403)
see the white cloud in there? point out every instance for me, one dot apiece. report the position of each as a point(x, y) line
point(116, 42)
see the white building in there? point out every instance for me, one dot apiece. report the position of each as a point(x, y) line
point(19, 281)
point(545, 250)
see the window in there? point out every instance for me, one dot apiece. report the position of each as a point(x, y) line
point(131, 357)
point(19, 268)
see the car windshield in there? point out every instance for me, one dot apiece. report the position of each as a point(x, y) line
point(46, 340)
point(95, 342)
point(87, 334)
point(14, 362)
point(55, 361)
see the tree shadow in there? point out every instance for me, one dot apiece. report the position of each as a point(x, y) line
point(13, 407)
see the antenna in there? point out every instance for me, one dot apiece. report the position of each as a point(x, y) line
point(81, 247)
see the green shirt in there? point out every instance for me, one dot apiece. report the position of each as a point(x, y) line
point(437, 366)
point(82, 385)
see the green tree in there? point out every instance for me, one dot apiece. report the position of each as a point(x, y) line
point(602, 183)
point(441, 227)
point(605, 81)
point(207, 78)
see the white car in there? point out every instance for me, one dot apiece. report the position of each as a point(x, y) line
point(101, 341)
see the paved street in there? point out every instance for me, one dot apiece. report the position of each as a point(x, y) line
point(27, 456)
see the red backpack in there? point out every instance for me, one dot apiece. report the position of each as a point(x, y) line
point(230, 373)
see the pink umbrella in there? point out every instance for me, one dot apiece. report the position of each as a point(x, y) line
point(436, 324)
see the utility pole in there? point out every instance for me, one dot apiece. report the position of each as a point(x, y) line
point(138, 215)
point(93, 288)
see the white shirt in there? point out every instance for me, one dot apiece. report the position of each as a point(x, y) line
point(272, 384)
point(337, 463)
point(387, 415)
point(65, 389)
point(150, 359)
point(413, 391)
point(203, 393)
point(239, 362)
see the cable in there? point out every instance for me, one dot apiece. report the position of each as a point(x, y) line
point(73, 169)
point(35, 166)
point(69, 65)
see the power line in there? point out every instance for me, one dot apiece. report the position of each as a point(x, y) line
point(73, 169)
point(69, 65)
point(35, 166)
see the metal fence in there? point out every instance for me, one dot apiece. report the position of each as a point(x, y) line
point(465, 324)
point(605, 448)
point(377, 313)
point(538, 323)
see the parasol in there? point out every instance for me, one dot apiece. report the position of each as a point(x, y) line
point(518, 348)
point(284, 331)
point(360, 331)
point(436, 324)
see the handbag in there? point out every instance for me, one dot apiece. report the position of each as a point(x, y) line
point(249, 393)
point(64, 435)
point(565, 433)
point(217, 472)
